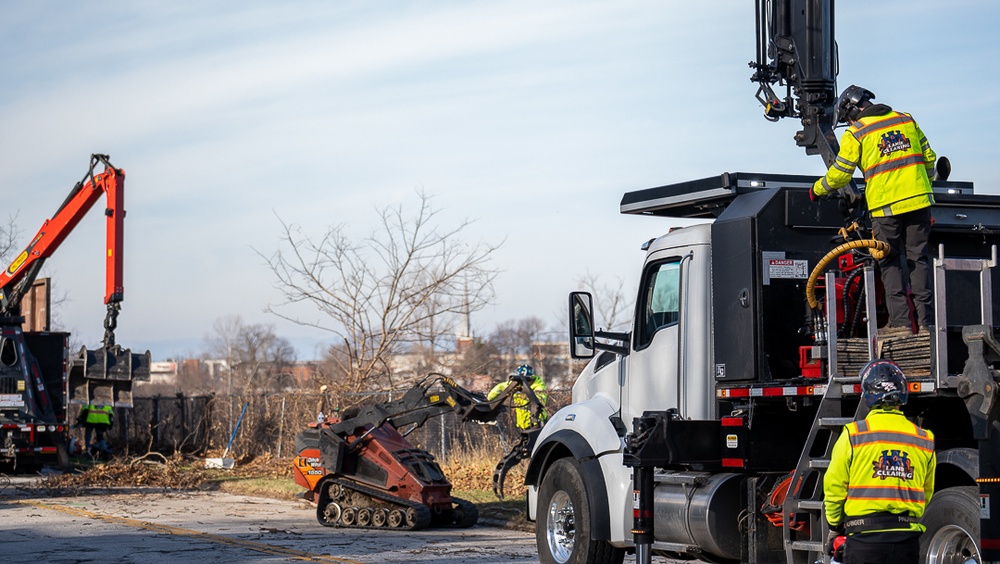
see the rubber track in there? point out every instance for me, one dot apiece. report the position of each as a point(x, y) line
point(423, 512)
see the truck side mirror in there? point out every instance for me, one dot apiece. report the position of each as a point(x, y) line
point(581, 325)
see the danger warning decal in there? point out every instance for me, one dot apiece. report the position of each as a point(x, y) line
point(787, 268)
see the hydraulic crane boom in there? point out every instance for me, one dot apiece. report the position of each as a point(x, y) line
point(796, 49)
point(40, 380)
point(21, 273)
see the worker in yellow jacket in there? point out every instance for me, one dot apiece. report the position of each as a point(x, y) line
point(898, 166)
point(881, 475)
point(521, 410)
point(97, 420)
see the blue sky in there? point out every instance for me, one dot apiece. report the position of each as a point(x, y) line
point(530, 117)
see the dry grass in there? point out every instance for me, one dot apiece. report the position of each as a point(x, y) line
point(473, 470)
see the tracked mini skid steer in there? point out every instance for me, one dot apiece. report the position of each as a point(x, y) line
point(362, 473)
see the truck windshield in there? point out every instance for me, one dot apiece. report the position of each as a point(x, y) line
point(661, 300)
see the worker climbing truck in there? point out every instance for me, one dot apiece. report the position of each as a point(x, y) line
point(42, 382)
point(704, 431)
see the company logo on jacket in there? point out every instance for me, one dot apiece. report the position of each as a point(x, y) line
point(893, 141)
point(893, 464)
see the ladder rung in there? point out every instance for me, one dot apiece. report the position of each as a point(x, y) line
point(815, 546)
point(819, 463)
point(810, 504)
point(834, 422)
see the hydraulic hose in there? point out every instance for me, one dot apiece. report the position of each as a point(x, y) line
point(878, 250)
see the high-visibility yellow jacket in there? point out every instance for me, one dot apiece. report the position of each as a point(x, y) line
point(521, 411)
point(882, 463)
point(96, 415)
point(895, 158)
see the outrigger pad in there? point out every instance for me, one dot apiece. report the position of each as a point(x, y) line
point(104, 376)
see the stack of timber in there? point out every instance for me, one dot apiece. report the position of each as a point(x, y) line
point(911, 352)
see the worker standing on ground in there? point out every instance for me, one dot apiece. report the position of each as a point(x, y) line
point(97, 420)
point(521, 410)
point(898, 165)
point(881, 475)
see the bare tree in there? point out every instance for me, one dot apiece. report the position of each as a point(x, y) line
point(256, 357)
point(381, 293)
point(479, 357)
point(222, 342)
point(612, 305)
point(9, 234)
point(513, 340)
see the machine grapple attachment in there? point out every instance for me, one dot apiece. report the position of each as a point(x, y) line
point(104, 376)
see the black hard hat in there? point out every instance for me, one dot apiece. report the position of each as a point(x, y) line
point(883, 382)
point(849, 104)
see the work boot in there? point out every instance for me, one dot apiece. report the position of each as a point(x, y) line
point(926, 330)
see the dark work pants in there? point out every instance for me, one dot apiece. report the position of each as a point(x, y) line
point(902, 552)
point(96, 432)
point(907, 235)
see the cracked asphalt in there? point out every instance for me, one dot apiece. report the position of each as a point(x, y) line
point(142, 527)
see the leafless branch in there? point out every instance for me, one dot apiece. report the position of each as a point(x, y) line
point(402, 284)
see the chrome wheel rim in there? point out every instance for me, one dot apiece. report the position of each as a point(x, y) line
point(952, 544)
point(560, 527)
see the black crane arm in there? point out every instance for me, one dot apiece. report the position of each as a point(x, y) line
point(796, 50)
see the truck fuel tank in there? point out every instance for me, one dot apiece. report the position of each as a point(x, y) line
point(699, 510)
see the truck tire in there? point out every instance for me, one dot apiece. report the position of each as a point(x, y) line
point(562, 532)
point(952, 521)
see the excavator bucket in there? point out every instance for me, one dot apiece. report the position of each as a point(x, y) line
point(104, 376)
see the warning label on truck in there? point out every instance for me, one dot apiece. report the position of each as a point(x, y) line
point(787, 268)
point(11, 400)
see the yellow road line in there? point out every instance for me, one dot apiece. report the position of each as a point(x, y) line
point(178, 531)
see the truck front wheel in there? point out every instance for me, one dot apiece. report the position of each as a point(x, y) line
point(562, 532)
point(952, 521)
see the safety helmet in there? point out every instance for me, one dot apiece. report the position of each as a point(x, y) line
point(883, 382)
point(525, 370)
point(849, 104)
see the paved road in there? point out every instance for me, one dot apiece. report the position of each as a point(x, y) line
point(217, 527)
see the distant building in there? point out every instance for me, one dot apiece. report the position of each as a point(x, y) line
point(163, 372)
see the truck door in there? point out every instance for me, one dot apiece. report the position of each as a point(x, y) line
point(670, 348)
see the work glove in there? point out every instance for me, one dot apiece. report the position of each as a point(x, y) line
point(812, 195)
point(851, 197)
point(831, 537)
